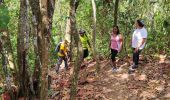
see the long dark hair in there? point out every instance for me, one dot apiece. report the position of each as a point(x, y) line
point(117, 29)
point(140, 23)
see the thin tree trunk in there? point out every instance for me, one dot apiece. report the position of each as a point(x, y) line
point(79, 56)
point(35, 7)
point(68, 30)
point(22, 47)
point(125, 38)
point(50, 10)
point(94, 37)
point(116, 11)
point(36, 74)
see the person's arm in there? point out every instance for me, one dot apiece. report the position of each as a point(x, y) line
point(121, 42)
point(109, 43)
point(88, 43)
point(143, 41)
point(62, 52)
point(144, 36)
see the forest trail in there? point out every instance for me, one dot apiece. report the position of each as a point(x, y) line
point(151, 81)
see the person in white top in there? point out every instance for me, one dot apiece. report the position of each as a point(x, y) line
point(138, 42)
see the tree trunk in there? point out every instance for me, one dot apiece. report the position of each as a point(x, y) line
point(43, 22)
point(116, 11)
point(8, 46)
point(22, 47)
point(5, 64)
point(79, 55)
point(50, 10)
point(68, 31)
point(94, 37)
point(44, 36)
point(10, 56)
point(36, 19)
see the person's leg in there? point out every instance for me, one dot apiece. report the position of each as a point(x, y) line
point(136, 57)
point(85, 53)
point(66, 63)
point(132, 67)
point(60, 59)
point(135, 61)
point(113, 55)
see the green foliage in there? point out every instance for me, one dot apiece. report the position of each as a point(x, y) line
point(4, 17)
point(129, 11)
point(1, 90)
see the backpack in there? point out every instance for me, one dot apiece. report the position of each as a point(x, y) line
point(57, 49)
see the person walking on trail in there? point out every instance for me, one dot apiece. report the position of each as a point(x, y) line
point(62, 55)
point(85, 43)
point(116, 42)
point(138, 43)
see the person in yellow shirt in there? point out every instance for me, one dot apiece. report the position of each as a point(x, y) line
point(85, 43)
point(62, 55)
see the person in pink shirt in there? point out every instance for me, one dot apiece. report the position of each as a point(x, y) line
point(116, 42)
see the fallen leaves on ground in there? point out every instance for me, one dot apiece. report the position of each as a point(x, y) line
point(150, 81)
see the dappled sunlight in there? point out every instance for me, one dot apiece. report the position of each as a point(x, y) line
point(107, 90)
point(147, 95)
point(106, 79)
point(123, 65)
point(124, 76)
point(167, 96)
point(112, 76)
point(11, 64)
point(120, 69)
point(142, 77)
point(162, 58)
point(154, 81)
point(120, 84)
point(160, 88)
point(109, 71)
point(92, 64)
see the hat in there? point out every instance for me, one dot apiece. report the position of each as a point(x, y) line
point(81, 31)
point(142, 22)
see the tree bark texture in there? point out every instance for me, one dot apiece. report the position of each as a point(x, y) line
point(6, 63)
point(22, 46)
point(79, 55)
point(43, 12)
point(94, 36)
point(36, 19)
point(68, 33)
point(43, 49)
point(116, 11)
point(10, 56)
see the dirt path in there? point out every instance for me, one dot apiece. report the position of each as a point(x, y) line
point(151, 81)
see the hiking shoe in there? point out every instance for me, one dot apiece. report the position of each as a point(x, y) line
point(133, 66)
point(114, 69)
point(131, 70)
